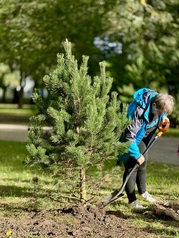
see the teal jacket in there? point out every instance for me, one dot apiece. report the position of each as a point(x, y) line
point(138, 113)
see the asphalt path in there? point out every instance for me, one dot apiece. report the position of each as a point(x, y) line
point(164, 150)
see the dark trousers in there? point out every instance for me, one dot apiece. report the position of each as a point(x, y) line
point(138, 177)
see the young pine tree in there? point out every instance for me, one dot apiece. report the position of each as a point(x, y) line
point(77, 127)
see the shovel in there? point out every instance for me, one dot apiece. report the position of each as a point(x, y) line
point(119, 193)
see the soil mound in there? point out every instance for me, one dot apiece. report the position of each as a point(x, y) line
point(77, 221)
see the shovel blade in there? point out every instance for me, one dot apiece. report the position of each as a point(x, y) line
point(110, 198)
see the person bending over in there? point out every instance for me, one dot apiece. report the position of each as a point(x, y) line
point(146, 112)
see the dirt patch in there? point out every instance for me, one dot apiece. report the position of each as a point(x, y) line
point(78, 222)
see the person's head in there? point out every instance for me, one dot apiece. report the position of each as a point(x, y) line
point(163, 103)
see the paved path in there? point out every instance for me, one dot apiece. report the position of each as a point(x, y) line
point(163, 151)
point(10, 132)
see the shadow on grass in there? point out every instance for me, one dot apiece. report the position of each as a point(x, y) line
point(23, 192)
point(15, 191)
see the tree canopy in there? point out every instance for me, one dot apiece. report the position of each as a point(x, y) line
point(138, 39)
point(148, 32)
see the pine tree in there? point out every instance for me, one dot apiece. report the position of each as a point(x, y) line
point(78, 125)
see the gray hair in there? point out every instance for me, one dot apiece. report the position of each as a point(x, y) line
point(165, 102)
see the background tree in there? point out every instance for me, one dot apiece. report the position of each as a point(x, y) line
point(138, 39)
point(8, 78)
point(31, 34)
point(148, 32)
point(84, 123)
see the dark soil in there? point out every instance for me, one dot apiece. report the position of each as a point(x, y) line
point(77, 221)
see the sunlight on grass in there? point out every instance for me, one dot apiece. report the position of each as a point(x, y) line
point(22, 186)
point(12, 109)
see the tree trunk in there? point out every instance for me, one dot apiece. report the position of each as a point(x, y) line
point(15, 97)
point(82, 185)
point(4, 94)
point(21, 97)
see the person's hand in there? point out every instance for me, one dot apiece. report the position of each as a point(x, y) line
point(141, 160)
point(165, 120)
point(164, 126)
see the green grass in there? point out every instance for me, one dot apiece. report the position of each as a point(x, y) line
point(23, 187)
point(174, 132)
point(13, 110)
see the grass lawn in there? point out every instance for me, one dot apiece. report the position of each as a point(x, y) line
point(21, 185)
point(12, 109)
point(30, 188)
point(172, 132)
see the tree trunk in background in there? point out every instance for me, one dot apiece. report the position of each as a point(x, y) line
point(4, 94)
point(15, 97)
point(21, 97)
